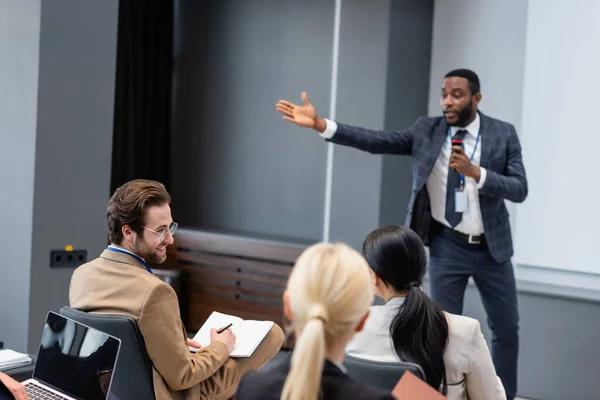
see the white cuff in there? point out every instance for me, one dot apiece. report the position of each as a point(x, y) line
point(330, 129)
point(482, 176)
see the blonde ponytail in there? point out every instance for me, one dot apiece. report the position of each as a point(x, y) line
point(304, 379)
point(329, 291)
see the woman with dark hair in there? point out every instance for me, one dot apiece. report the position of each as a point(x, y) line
point(412, 327)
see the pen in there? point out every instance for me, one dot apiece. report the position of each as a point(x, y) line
point(224, 328)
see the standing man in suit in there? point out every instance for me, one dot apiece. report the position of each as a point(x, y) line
point(457, 202)
point(120, 281)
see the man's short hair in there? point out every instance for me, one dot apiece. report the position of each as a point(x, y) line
point(128, 205)
point(469, 76)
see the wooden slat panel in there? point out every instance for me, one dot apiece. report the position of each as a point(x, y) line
point(239, 300)
point(233, 263)
point(198, 275)
point(237, 245)
point(266, 294)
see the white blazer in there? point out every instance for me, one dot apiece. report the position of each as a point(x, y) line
point(469, 369)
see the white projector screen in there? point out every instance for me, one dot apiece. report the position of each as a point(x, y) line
point(558, 225)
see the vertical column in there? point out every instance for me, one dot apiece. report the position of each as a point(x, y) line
point(19, 46)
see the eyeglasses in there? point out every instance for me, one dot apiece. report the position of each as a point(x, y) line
point(163, 232)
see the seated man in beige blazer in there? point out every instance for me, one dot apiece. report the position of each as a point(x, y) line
point(140, 228)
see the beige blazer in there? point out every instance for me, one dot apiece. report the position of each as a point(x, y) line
point(469, 369)
point(116, 283)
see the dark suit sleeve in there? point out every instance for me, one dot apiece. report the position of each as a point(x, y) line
point(374, 141)
point(512, 184)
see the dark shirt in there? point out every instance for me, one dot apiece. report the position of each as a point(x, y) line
point(267, 383)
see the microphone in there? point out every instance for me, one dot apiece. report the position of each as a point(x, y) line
point(457, 142)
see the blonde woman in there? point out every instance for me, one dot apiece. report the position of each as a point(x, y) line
point(327, 299)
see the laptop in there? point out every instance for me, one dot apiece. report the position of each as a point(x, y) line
point(74, 362)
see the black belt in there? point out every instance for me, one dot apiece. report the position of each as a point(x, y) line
point(477, 241)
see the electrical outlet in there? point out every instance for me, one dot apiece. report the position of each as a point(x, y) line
point(63, 258)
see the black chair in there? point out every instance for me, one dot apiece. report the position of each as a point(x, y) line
point(133, 375)
point(381, 374)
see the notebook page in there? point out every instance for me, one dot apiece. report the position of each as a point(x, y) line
point(216, 320)
point(251, 334)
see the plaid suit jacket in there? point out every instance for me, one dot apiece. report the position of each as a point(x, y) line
point(500, 156)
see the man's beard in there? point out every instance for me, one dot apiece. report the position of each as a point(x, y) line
point(465, 115)
point(148, 255)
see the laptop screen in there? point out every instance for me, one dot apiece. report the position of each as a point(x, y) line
point(75, 359)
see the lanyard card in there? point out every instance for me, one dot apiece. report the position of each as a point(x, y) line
point(460, 200)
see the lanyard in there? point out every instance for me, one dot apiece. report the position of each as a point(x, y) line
point(138, 258)
point(462, 177)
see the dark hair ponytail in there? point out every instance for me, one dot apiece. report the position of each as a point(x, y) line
point(419, 330)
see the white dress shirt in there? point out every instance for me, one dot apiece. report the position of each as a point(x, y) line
point(472, 222)
point(114, 246)
point(470, 372)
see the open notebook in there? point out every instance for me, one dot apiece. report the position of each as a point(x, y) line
point(248, 334)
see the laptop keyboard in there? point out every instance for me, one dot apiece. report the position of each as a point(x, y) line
point(36, 392)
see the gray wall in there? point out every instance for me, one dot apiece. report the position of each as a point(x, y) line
point(57, 136)
point(74, 143)
point(238, 167)
point(559, 350)
point(489, 37)
point(19, 45)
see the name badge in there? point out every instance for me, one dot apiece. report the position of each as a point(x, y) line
point(461, 201)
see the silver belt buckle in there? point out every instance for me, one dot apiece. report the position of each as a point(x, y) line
point(471, 241)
